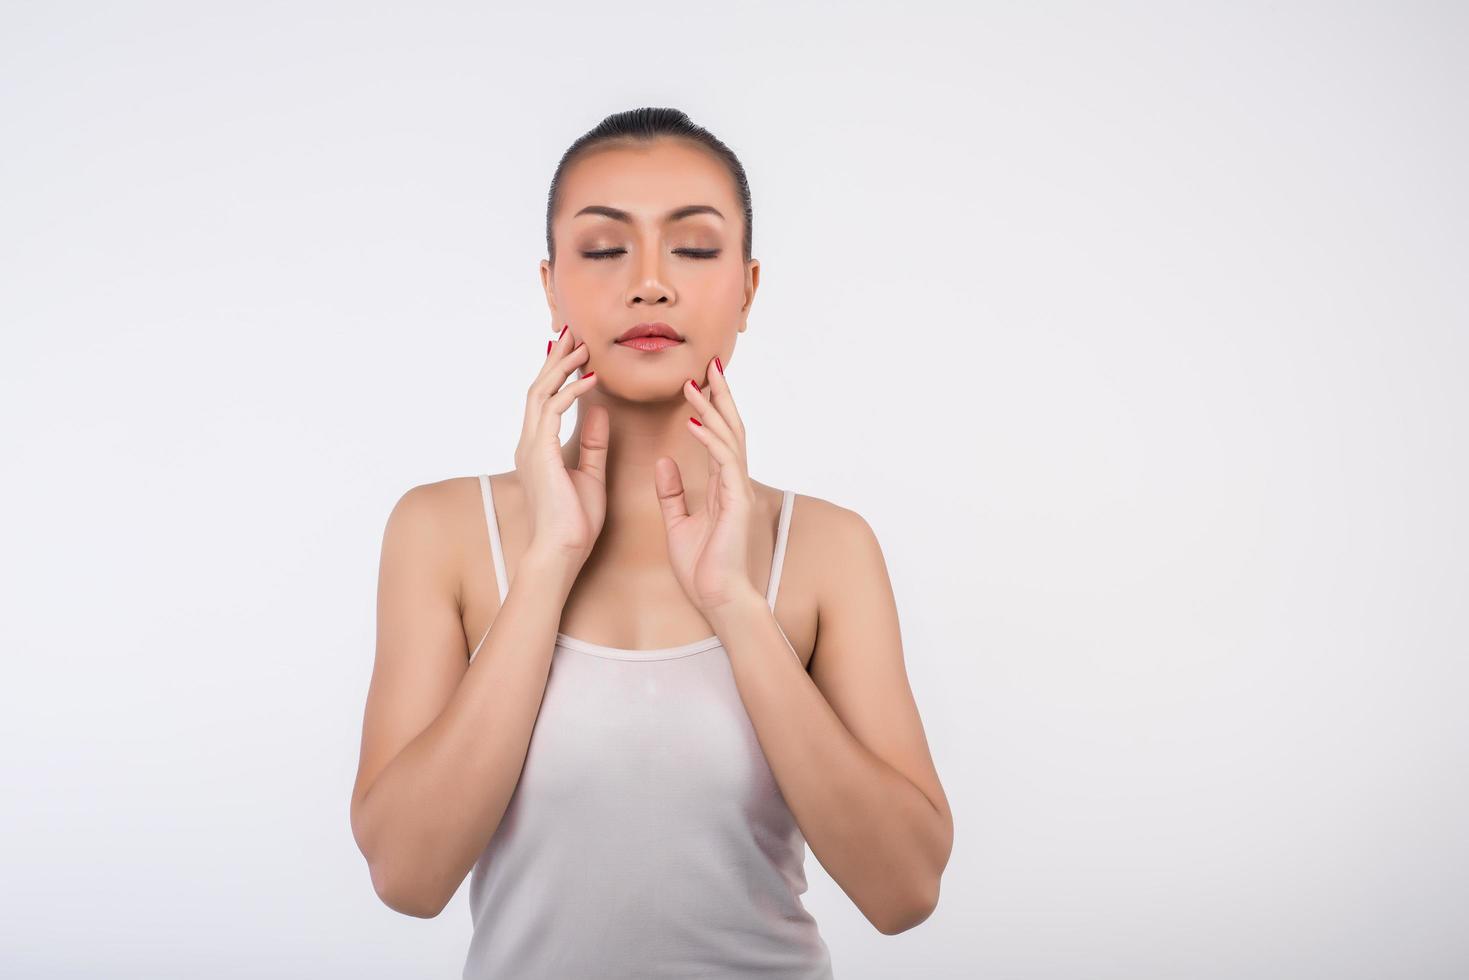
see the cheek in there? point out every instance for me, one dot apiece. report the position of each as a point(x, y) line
point(586, 273)
point(718, 289)
point(585, 283)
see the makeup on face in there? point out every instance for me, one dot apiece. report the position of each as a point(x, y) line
point(650, 337)
point(649, 345)
point(697, 218)
point(602, 243)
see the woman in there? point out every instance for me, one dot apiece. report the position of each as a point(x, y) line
point(630, 757)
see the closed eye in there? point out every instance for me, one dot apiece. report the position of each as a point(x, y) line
point(693, 253)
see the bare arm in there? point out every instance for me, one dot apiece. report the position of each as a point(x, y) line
point(443, 743)
point(845, 742)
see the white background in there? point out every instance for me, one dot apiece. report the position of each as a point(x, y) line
point(1138, 334)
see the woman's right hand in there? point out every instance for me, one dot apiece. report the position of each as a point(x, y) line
point(567, 506)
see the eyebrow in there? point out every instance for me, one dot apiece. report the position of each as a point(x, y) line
point(618, 214)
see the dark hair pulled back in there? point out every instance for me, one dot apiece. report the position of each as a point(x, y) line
point(641, 126)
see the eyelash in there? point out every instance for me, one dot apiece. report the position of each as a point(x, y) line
point(693, 253)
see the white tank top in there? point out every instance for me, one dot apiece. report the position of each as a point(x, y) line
point(647, 836)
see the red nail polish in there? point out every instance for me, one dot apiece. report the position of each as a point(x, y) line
point(695, 383)
point(563, 331)
point(696, 421)
point(589, 374)
point(548, 347)
point(718, 364)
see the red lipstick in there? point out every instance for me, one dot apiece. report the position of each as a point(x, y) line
point(650, 337)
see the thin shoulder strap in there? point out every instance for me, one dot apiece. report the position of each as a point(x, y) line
point(787, 502)
point(496, 548)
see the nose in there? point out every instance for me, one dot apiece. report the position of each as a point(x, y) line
point(650, 287)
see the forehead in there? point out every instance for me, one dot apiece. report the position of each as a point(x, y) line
point(648, 180)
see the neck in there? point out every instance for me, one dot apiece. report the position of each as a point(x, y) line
point(640, 433)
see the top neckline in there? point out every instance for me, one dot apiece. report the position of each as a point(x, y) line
point(627, 653)
point(568, 642)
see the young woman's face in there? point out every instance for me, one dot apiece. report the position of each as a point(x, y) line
point(627, 254)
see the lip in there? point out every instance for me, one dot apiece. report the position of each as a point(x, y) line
point(656, 328)
point(649, 344)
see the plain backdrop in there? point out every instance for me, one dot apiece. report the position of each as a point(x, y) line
point(1136, 332)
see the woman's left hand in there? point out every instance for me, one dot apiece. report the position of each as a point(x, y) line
point(709, 550)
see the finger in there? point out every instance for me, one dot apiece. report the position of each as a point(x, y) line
point(547, 386)
point(711, 417)
point(711, 488)
point(730, 488)
point(548, 417)
point(561, 400)
point(594, 433)
point(551, 344)
point(668, 482)
point(542, 387)
point(718, 448)
point(565, 354)
point(565, 339)
point(722, 399)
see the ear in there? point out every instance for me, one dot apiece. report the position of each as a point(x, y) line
point(752, 283)
point(548, 285)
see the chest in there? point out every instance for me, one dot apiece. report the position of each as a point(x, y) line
point(646, 746)
point(631, 604)
point(650, 611)
point(626, 595)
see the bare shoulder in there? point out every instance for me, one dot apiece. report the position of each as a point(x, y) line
point(432, 506)
point(420, 649)
point(848, 576)
point(822, 539)
point(443, 523)
point(815, 518)
point(858, 662)
point(831, 517)
point(841, 540)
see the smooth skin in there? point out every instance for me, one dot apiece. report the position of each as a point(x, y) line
point(605, 540)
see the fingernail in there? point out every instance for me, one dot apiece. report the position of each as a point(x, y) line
point(548, 347)
point(696, 421)
point(563, 331)
point(695, 384)
point(589, 374)
point(719, 364)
